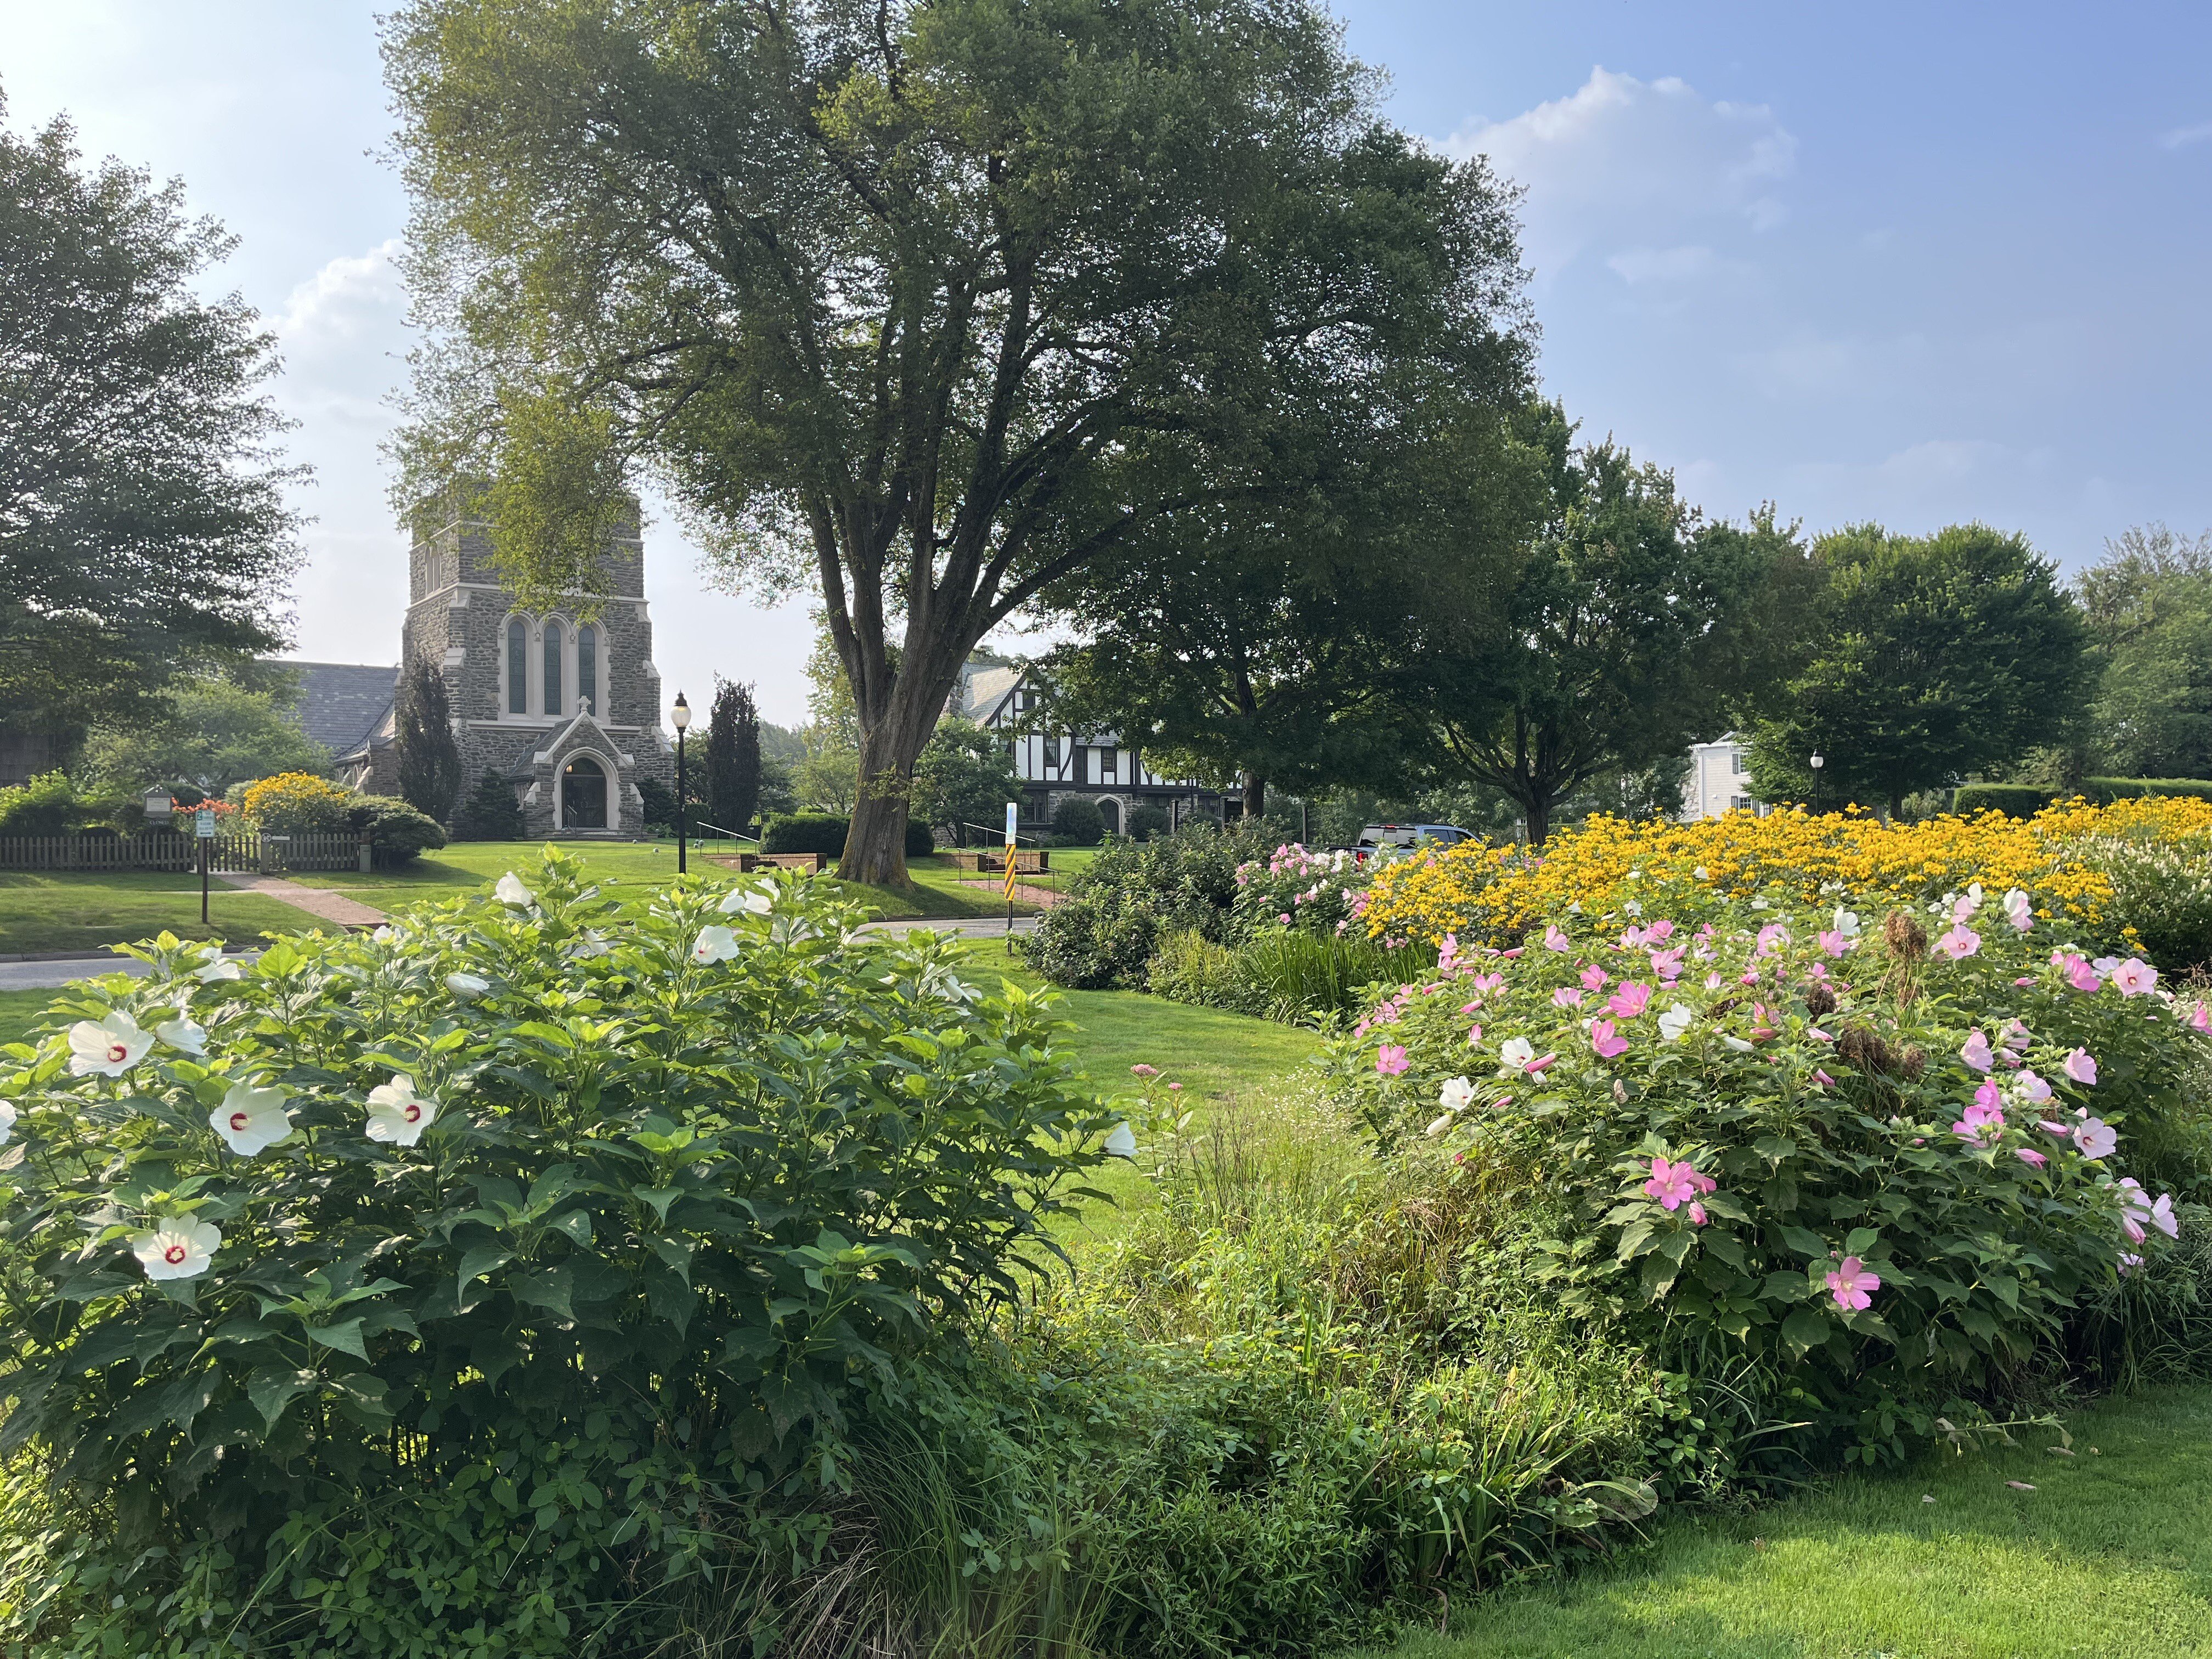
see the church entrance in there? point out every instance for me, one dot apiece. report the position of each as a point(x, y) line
point(583, 794)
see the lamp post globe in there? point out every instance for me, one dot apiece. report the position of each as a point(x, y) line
point(1818, 761)
point(680, 717)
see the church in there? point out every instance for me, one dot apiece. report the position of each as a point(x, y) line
point(564, 705)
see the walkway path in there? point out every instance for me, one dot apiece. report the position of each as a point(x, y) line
point(326, 903)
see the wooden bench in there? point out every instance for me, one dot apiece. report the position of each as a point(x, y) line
point(807, 864)
point(1028, 861)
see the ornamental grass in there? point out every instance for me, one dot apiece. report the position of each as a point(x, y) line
point(2063, 856)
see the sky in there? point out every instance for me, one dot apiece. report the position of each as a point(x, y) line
point(1908, 264)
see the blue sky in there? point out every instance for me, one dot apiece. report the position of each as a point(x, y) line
point(1912, 263)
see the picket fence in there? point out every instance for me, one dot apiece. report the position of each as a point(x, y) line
point(244, 852)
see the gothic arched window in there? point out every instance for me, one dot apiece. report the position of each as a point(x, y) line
point(587, 666)
point(552, 668)
point(518, 667)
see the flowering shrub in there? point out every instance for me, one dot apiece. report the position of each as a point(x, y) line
point(579, 1229)
point(296, 803)
point(1866, 1174)
point(1692, 870)
point(1132, 896)
point(1315, 892)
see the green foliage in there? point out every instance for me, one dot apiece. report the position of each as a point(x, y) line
point(733, 759)
point(492, 813)
point(595, 1320)
point(2014, 801)
point(148, 538)
point(429, 757)
point(1189, 967)
point(211, 733)
point(823, 833)
point(2162, 889)
point(1827, 1124)
point(1937, 656)
point(1077, 821)
point(963, 779)
point(397, 834)
point(46, 806)
point(2104, 791)
point(1114, 913)
point(2148, 603)
point(1147, 821)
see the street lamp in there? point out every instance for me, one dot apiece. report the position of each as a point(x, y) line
point(680, 717)
point(1818, 762)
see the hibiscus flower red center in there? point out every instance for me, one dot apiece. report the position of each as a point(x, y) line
point(173, 1254)
point(238, 1122)
point(117, 1051)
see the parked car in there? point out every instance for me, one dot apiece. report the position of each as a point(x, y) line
point(1377, 835)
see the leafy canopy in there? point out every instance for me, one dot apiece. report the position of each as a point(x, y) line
point(926, 304)
point(143, 534)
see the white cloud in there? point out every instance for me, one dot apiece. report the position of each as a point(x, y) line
point(1664, 264)
point(1622, 162)
point(2180, 137)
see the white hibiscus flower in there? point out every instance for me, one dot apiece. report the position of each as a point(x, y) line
point(467, 986)
point(1675, 1021)
point(1122, 1142)
point(714, 944)
point(251, 1119)
point(177, 1247)
point(218, 967)
point(510, 890)
point(183, 1032)
point(398, 1115)
point(110, 1046)
point(1457, 1095)
point(1514, 1054)
point(760, 901)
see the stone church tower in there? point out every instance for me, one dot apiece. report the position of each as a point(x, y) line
point(563, 704)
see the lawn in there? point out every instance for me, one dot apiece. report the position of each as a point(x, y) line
point(2111, 1554)
point(60, 911)
point(466, 865)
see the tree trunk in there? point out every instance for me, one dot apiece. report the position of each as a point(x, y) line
point(1256, 795)
point(1538, 814)
point(875, 845)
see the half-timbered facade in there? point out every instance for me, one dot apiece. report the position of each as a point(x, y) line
point(1054, 765)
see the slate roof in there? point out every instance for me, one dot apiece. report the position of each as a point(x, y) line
point(985, 688)
point(342, 703)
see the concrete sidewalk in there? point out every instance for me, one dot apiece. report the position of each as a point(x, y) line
point(324, 903)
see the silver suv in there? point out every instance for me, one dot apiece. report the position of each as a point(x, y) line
point(1413, 835)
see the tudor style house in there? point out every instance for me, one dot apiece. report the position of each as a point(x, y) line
point(564, 706)
point(1054, 766)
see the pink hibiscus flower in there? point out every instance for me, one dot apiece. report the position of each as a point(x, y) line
point(1390, 1059)
point(1976, 1052)
point(1675, 1184)
point(1981, 1124)
point(1630, 1000)
point(1853, 1283)
point(2029, 1155)
point(1555, 938)
point(2082, 1067)
point(2135, 977)
point(1567, 997)
point(1773, 937)
point(1667, 964)
point(1834, 943)
point(1602, 1039)
point(1594, 978)
point(1959, 942)
point(2096, 1138)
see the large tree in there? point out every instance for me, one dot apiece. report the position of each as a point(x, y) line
point(930, 301)
point(144, 535)
point(1285, 634)
point(964, 779)
point(209, 733)
point(2148, 605)
point(1633, 628)
point(1937, 656)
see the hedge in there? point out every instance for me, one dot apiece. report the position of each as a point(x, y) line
point(825, 832)
point(2025, 800)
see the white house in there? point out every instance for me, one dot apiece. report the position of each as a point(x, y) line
point(1719, 779)
point(1054, 765)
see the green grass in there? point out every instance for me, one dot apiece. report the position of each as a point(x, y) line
point(2111, 1554)
point(1223, 1060)
point(466, 865)
point(42, 910)
point(18, 1011)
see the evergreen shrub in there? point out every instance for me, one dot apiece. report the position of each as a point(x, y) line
point(1077, 821)
point(521, 1273)
point(397, 834)
point(1146, 823)
point(490, 811)
point(825, 832)
point(1117, 910)
point(2017, 801)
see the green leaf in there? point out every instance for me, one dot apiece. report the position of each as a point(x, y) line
point(1861, 1240)
point(1806, 1244)
point(479, 1263)
point(1805, 1329)
point(271, 1391)
point(549, 1288)
point(660, 1198)
point(577, 1225)
point(342, 1335)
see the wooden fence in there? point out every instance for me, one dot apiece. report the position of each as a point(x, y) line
point(243, 852)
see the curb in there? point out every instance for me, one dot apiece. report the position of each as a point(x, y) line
point(99, 955)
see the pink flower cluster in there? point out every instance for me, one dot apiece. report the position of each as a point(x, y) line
point(1677, 1182)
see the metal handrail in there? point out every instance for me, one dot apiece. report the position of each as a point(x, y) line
point(999, 832)
point(732, 835)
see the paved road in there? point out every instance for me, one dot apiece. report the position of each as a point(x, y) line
point(51, 975)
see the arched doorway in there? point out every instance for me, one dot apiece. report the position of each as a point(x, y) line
point(1110, 809)
point(583, 794)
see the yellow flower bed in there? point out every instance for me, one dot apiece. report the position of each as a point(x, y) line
point(292, 802)
point(1475, 890)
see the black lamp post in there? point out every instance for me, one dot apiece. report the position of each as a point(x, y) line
point(679, 719)
point(1818, 762)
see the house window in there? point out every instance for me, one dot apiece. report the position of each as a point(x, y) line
point(552, 668)
point(1740, 802)
point(1735, 762)
point(587, 666)
point(518, 668)
point(1106, 763)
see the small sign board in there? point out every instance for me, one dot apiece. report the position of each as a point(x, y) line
point(1013, 809)
point(203, 825)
